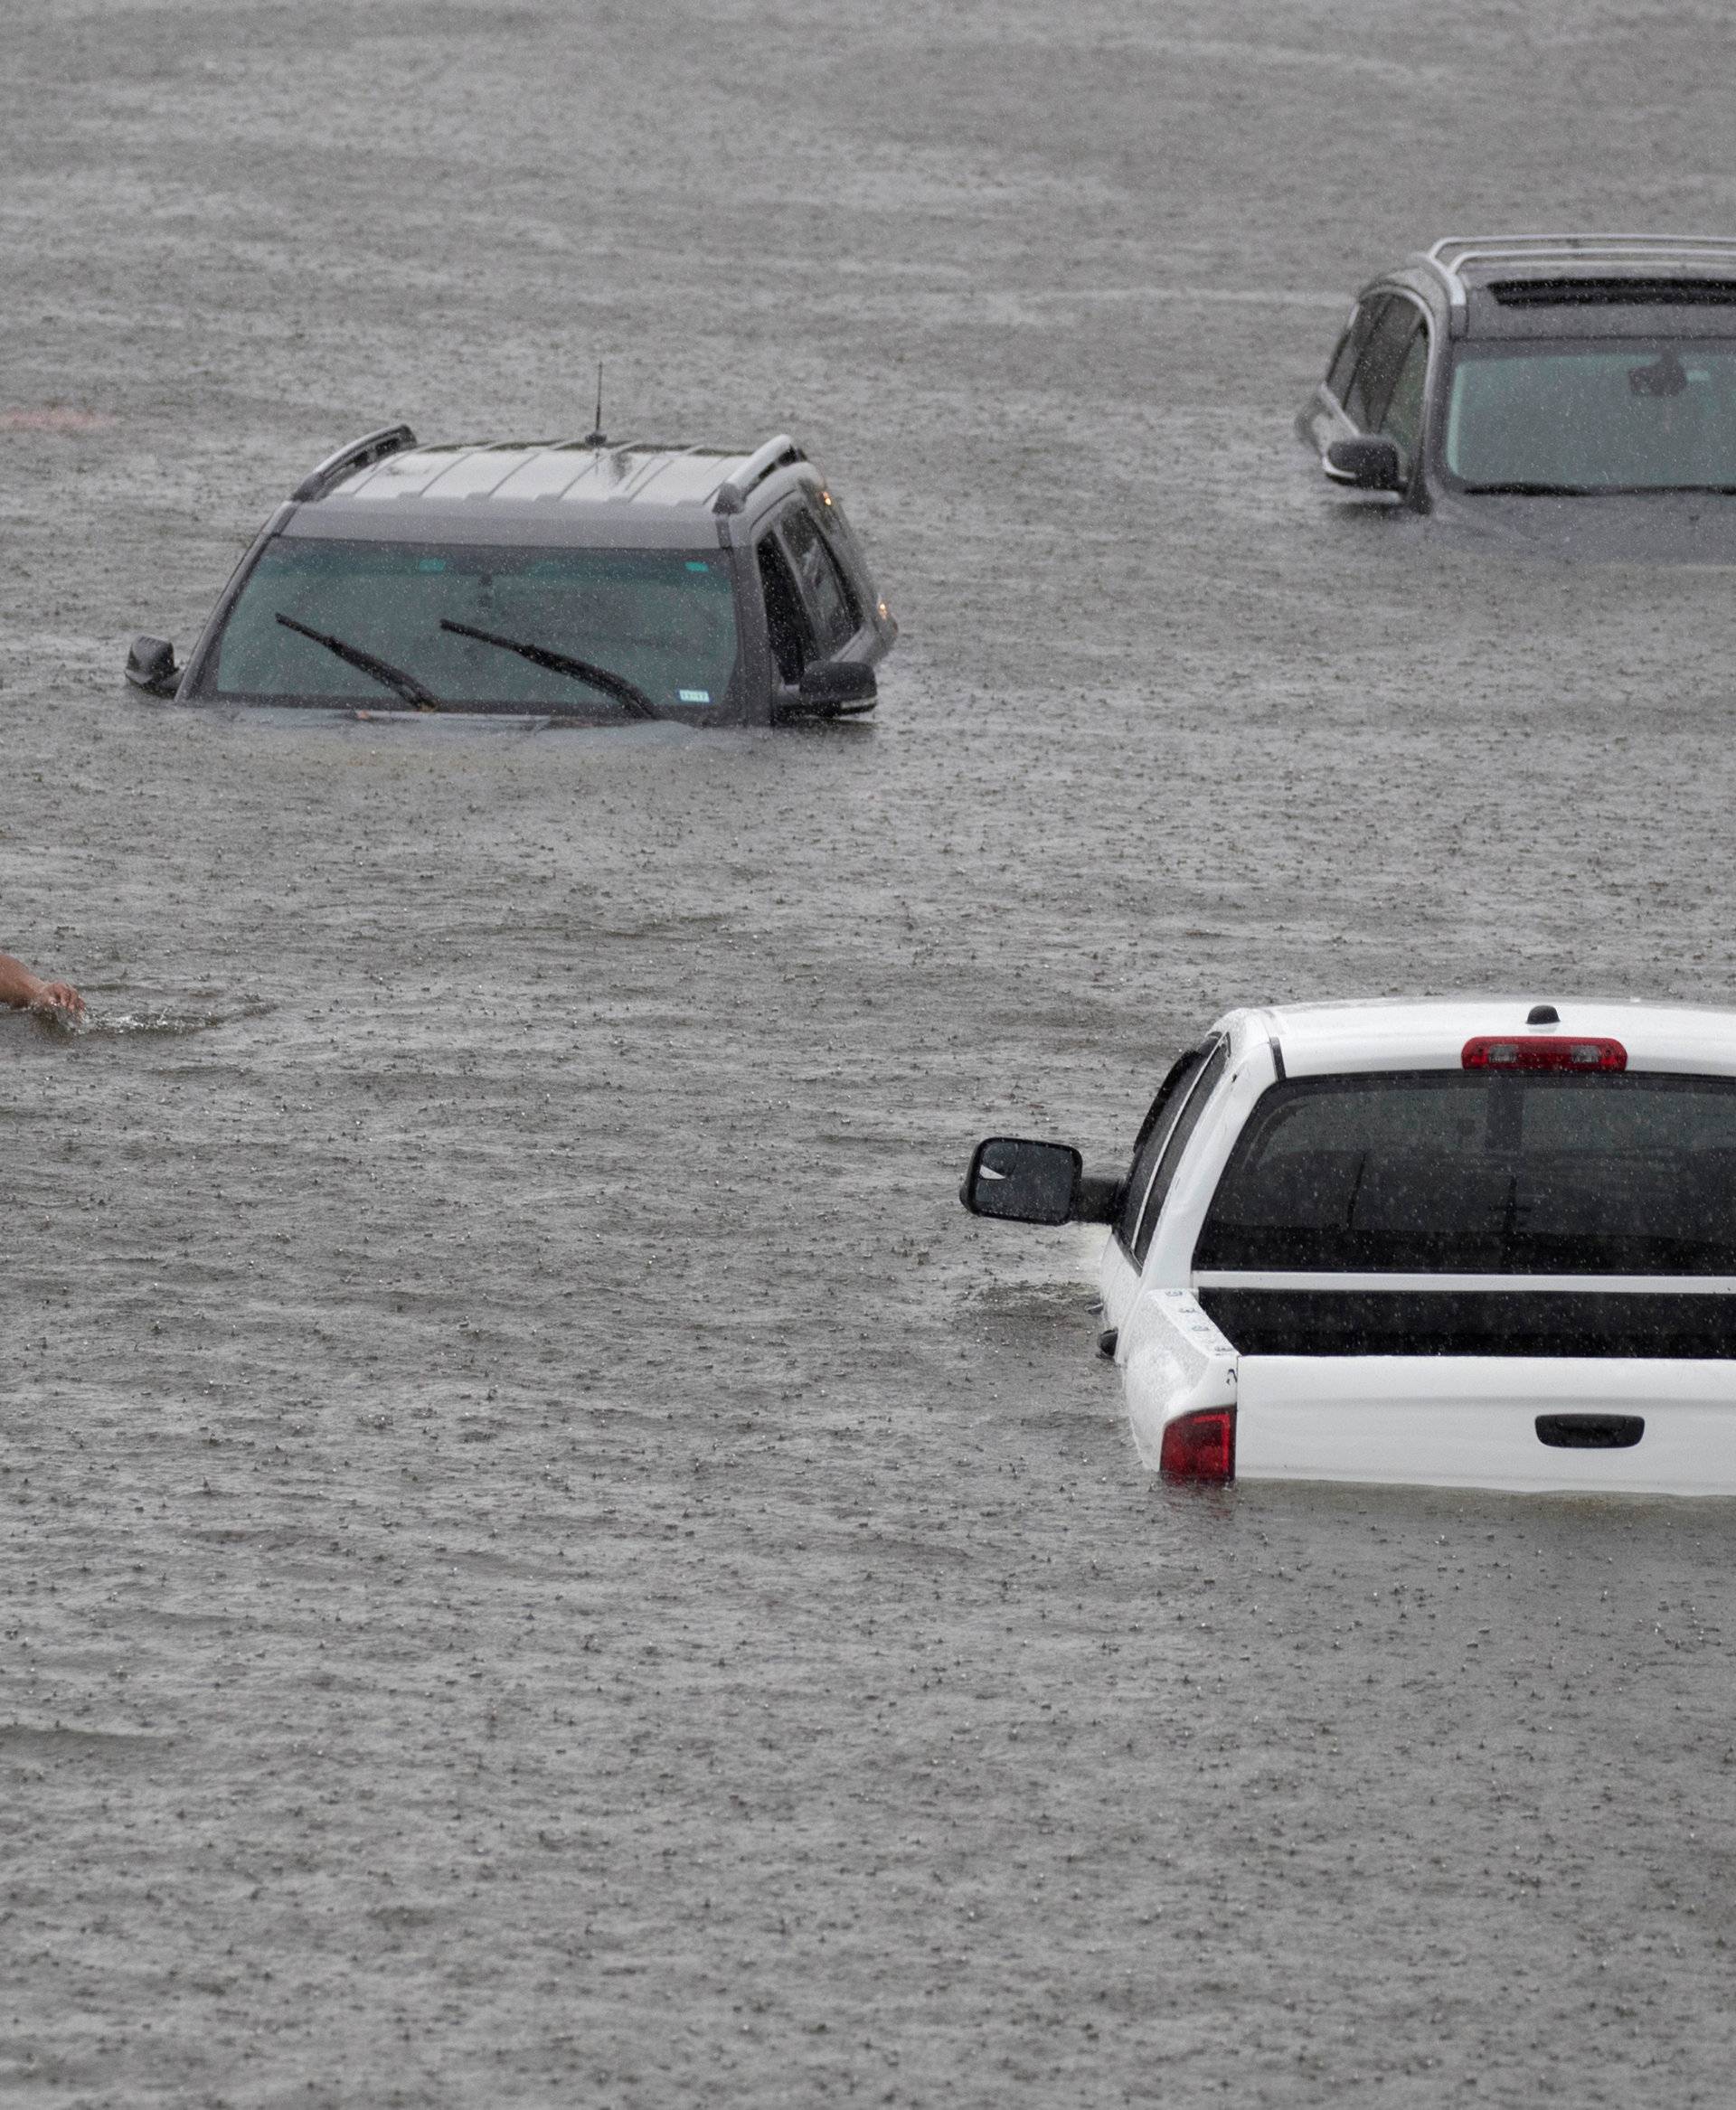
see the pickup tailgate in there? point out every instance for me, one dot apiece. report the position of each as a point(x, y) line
point(1589, 1423)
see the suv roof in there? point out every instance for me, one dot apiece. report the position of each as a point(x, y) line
point(1516, 285)
point(639, 491)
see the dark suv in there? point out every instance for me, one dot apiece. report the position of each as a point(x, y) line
point(575, 580)
point(1507, 380)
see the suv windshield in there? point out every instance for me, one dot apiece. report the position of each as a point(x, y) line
point(1593, 417)
point(1616, 1173)
point(663, 618)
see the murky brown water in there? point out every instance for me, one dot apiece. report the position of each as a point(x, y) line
point(547, 1560)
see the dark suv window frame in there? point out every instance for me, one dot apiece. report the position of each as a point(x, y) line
point(811, 561)
point(768, 544)
point(1365, 416)
point(1348, 350)
point(1411, 445)
point(842, 540)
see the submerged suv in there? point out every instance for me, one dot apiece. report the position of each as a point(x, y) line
point(574, 580)
point(1505, 380)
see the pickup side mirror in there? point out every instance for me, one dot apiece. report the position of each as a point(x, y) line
point(832, 687)
point(1370, 462)
point(1023, 1182)
point(150, 666)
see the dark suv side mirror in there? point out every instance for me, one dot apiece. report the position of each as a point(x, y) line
point(1368, 463)
point(834, 684)
point(150, 666)
point(1023, 1182)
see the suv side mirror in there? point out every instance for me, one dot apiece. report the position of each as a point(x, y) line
point(1370, 462)
point(834, 684)
point(1023, 1182)
point(150, 666)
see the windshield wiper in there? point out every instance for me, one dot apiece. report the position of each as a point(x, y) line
point(383, 672)
point(628, 694)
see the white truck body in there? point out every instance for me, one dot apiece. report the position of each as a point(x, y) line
point(1535, 1420)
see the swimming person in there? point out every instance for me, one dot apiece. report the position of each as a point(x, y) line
point(27, 992)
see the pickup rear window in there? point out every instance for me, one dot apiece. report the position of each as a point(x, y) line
point(1474, 1172)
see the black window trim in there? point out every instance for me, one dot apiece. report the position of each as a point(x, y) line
point(1186, 1065)
point(1203, 1057)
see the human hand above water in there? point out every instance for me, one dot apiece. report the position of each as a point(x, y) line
point(27, 992)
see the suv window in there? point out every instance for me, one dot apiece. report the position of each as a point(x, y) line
point(1371, 387)
point(1620, 1173)
point(1585, 415)
point(824, 592)
point(664, 618)
point(1402, 418)
point(846, 547)
point(1166, 1142)
point(1350, 346)
point(786, 623)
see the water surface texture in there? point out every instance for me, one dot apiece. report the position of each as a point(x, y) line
point(547, 1560)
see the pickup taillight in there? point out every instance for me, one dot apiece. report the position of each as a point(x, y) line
point(1200, 1445)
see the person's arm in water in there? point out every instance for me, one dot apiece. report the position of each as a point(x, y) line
point(27, 992)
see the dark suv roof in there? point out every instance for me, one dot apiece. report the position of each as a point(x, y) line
point(1533, 285)
point(385, 485)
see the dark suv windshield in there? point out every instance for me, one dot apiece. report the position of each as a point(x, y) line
point(664, 618)
point(1592, 416)
point(1618, 1173)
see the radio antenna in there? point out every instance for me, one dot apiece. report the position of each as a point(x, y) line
point(596, 436)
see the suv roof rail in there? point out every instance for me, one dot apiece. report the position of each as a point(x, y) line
point(778, 453)
point(1449, 258)
point(359, 454)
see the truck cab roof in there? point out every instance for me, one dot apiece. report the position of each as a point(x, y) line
point(1322, 1039)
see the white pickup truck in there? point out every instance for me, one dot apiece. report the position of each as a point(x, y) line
point(1475, 1243)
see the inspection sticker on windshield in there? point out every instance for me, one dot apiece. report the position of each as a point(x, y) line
point(693, 695)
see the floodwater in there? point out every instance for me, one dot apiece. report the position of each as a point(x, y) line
point(547, 1561)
